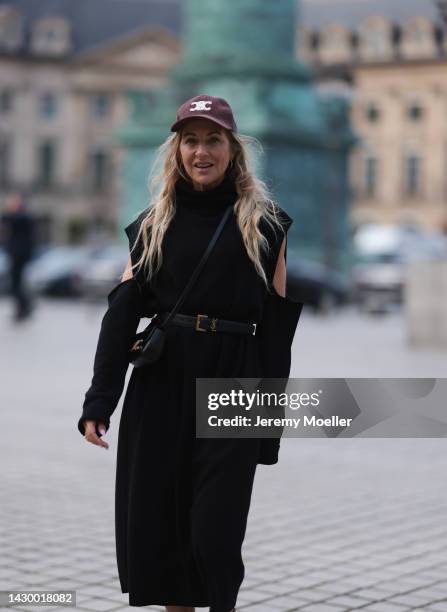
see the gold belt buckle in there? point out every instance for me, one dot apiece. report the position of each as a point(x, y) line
point(203, 316)
point(198, 319)
point(138, 344)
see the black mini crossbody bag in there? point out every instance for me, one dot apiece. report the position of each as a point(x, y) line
point(148, 344)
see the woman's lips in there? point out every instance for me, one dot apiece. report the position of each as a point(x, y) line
point(203, 169)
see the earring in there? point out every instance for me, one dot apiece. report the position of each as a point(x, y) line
point(231, 164)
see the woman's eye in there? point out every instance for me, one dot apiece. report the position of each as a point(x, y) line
point(192, 141)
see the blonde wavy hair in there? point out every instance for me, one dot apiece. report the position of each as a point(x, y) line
point(254, 202)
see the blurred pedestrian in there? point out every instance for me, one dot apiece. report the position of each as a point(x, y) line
point(182, 501)
point(18, 237)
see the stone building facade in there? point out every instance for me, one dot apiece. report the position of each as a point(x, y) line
point(65, 67)
point(62, 96)
point(391, 58)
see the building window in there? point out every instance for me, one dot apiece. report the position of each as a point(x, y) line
point(100, 105)
point(11, 29)
point(372, 112)
point(99, 170)
point(375, 40)
point(412, 175)
point(371, 176)
point(6, 101)
point(46, 164)
point(415, 111)
point(5, 160)
point(51, 37)
point(48, 105)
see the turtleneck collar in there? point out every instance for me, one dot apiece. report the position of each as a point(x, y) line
point(210, 200)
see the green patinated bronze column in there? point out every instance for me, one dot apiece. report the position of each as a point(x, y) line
point(243, 50)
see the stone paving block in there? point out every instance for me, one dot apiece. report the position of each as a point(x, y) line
point(99, 605)
point(13, 583)
point(31, 608)
point(275, 588)
point(7, 573)
point(321, 607)
point(299, 581)
point(97, 590)
point(411, 600)
point(383, 606)
point(336, 587)
point(313, 594)
point(287, 603)
point(371, 594)
point(428, 594)
point(89, 577)
point(438, 607)
point(347, 601)
point(259, 608)
point(255, 595)
point(360, 580)
point(294, 604)
point(441, 586)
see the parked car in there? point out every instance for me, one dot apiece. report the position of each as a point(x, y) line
point(104, 270)
point(379, 281)
point(316, 285)
point(57, 271)
point(382, 254)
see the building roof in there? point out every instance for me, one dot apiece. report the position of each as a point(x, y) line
point(94, 22)
point(317, 13)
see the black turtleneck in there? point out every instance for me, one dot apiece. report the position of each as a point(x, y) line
point(210, 200)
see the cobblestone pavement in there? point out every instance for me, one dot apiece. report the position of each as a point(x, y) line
point(336, 525)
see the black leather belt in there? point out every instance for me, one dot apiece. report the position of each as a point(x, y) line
point(204, 323)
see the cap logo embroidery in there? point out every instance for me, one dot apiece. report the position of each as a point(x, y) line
point(201, 105)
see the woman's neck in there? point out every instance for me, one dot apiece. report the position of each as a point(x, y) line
point(215, 198)
point(209, 186)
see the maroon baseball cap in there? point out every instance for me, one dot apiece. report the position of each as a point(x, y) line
point(208, 107)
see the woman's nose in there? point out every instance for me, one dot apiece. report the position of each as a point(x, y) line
point(201, 149)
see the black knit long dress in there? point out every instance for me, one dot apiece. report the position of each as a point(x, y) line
point(182, 502)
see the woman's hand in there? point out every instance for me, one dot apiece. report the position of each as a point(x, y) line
point(90, 433)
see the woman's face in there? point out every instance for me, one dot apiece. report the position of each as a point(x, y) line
point(205, 151)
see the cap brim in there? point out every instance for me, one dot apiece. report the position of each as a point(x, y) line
point(176, 126)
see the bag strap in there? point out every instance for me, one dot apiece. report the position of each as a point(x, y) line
point(199, 267)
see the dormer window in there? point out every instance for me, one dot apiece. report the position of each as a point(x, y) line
point(418, 39)
point(375, 39)
point(51, 37)
point(11, 29)
point(335, 44)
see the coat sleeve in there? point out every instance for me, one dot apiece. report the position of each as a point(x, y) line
point(275, 336)
point(118, 328)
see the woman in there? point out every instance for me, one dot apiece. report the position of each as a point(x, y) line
point(182, 502)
